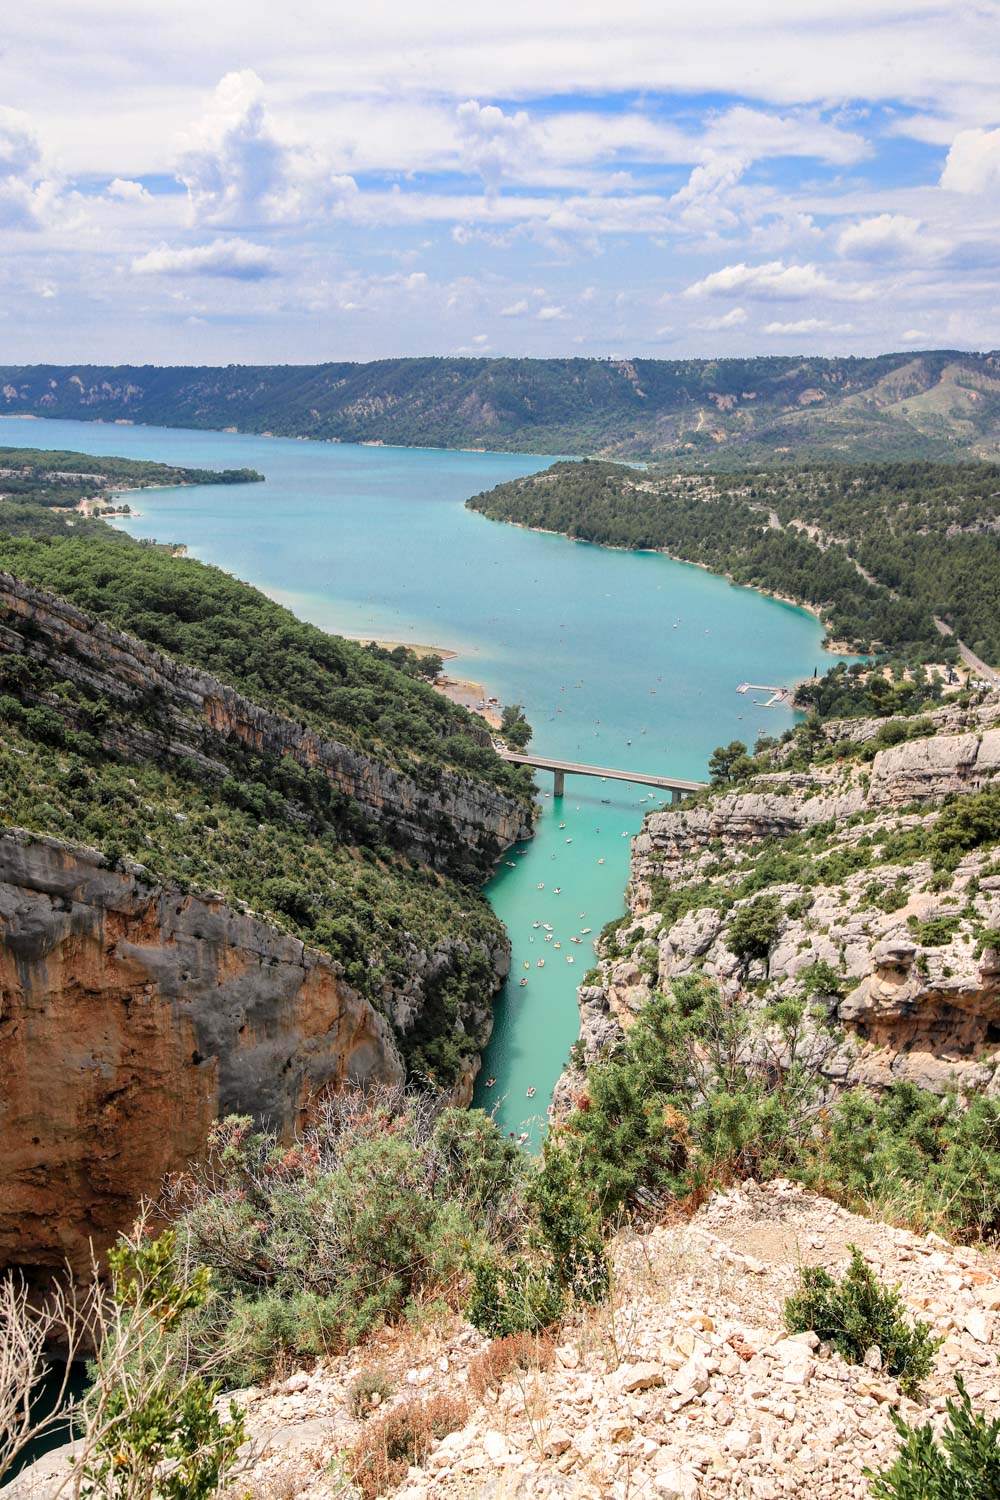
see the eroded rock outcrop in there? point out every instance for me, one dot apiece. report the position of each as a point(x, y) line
point(904, 938)
point(131, 1017)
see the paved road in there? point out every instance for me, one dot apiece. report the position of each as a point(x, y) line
point(989, 674)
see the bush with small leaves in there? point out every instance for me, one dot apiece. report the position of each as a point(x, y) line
point(858, 1313)
point(161, 1433)
point(964, 1465)
point(367, 1392)
point(513, 1297)
point(753, 929)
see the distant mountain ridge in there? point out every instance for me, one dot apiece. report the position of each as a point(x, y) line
point(933, 404)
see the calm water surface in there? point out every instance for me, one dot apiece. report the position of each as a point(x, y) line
point(620, 659)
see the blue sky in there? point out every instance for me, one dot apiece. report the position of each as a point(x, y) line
point(255, 182)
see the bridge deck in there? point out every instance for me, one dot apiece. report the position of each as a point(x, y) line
point(606, 773)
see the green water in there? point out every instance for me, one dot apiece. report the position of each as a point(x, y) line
point(621, 659)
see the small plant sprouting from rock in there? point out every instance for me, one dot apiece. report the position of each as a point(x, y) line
point(857, 1314)
point(368, 1391)
point(964, 1465)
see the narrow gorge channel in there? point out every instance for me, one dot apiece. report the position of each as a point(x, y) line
point(627, 660)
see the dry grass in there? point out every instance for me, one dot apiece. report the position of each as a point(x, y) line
point(285, 1483)
point(499, 1360)
point(403, 1436)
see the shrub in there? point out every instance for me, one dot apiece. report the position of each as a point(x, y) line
point(514, 1296)
point(499, 1360)
point(821, 978)
point(568, 1225)
point(965, 1465)
point(964, 823)
point(376, 1209)
point(403, 1436)
point(911, 1156)
point(160, 1430)
point(754, 928)
point(369, 1384)
point(858, 1312)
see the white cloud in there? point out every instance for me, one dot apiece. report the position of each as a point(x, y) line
point(914, 336)
point(973, 163)
point(549, 313)
point(891, 237)
point(701, 201)
point(238, 171)
point(775, 282)
point(807, 325)
point(514, 309)
point(237, 259)
point(128, 191)
point(23, 193)
point(492, 142)
point(735, 318)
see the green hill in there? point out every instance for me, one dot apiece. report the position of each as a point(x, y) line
point(940, 403)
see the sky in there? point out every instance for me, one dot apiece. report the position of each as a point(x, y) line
point(211, 182)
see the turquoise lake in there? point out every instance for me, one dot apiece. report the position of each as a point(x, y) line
point(620, 659)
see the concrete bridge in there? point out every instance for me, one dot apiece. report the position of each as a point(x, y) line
point(562, 768)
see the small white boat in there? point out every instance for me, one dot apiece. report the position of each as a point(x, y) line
point(586, 929)
point(541, 963)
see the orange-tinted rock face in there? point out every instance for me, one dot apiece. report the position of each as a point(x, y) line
point(132, 1016)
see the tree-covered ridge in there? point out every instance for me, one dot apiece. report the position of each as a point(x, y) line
point(880, 549)
point(205, 617)
point(29, 476)
point(937, 403)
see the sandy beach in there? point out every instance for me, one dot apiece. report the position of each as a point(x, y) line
point(460, 690)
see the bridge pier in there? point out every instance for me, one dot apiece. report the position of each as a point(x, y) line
point(558, 783)
point(675, 795)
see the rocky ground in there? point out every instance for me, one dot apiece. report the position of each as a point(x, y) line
point(685, 1385)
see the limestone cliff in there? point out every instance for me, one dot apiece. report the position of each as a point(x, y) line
point(848, 855)
point(131, 1017)
point(436, 814)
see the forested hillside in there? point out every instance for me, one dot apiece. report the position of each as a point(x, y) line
point(881, 549)
point(32, 476)
point(96, 751)
point(706, 412)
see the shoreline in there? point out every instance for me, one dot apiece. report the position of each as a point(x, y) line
point(302, 437)
point(464, 692)
point(837, 648)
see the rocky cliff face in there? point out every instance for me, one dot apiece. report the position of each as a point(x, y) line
point(131, 1017)
point(132, 1014)
point(437, 815)
point(851, 866)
